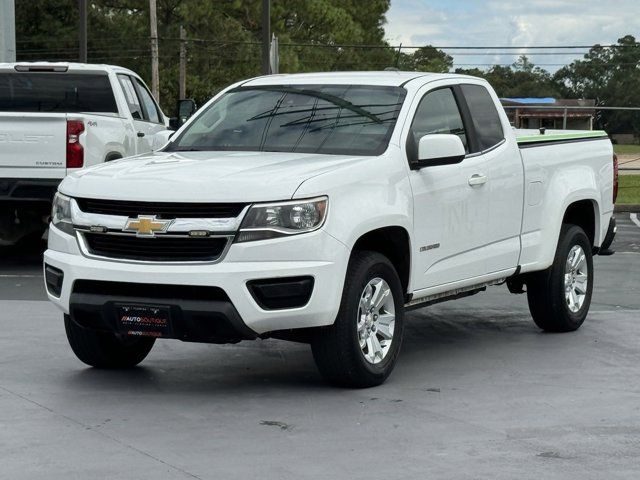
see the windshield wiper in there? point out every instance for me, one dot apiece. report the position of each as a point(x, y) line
point(340, 102)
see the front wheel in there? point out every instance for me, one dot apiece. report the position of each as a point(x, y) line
point(360, 349)
point(559, 297)
point(104, 349)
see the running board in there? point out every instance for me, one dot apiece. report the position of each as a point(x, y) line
point(451, 294)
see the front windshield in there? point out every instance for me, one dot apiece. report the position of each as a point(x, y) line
point(328, 119)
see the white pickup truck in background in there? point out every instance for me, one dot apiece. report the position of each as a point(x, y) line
point(317, 208)
point(56, 118)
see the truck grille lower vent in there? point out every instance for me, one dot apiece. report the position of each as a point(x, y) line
point(164, 210)
point(155, 249)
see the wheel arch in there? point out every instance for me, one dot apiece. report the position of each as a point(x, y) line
point(585, 214)
point(112, 156)
point(394, 243)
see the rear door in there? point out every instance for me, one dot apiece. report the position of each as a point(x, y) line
point(147, 118)
point(495, 168)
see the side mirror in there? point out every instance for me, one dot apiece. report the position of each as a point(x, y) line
point(160, 139)
point(186, 108)
point(439, 149)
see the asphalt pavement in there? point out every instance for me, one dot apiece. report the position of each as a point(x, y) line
point(478, 392)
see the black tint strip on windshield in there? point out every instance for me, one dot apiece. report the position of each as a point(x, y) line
point(56, 92)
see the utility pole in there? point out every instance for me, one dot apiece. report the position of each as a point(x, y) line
point(183, 64)
point(155, 82)
point(82, 30)
point(266, 37)
point(7, 31)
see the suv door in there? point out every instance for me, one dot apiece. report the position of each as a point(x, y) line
point(147, 118)
point(450, 216)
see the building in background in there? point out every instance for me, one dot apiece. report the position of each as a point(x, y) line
point(531, 113)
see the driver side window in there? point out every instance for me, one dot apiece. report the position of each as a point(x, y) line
point(438, 112)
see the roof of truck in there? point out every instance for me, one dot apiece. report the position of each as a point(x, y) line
point(385, 78)
point(70, 67)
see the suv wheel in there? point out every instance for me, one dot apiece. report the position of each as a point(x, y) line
point(559, 297)
point(360, 349)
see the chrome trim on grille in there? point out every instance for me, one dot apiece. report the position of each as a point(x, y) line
point(85, 220)
point(179, 228)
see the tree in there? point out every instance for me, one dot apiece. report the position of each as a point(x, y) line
point(426, 59)
point(611, 76)
point(521, 79)
point(224, 37)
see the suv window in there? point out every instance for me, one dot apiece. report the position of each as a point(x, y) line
point(56, 92)
point(150, 106)
point(131, 96)
point(438, 112)
point(484, 115)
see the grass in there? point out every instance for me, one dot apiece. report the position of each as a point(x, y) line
point(629, 189)
point(627, 149)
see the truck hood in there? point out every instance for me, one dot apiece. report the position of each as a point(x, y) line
point(202, 176)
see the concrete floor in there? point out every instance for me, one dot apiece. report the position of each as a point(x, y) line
point(478, 392)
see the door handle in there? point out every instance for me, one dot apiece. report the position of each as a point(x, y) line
point(477, 179)
point(140, 134)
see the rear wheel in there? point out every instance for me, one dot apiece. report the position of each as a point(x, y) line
point(360, 349)
point(104, 349)
point(559, 297)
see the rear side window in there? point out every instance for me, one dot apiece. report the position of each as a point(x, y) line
point(56, 92)
point(149, 104)
point(484, 116)
point(131, 96)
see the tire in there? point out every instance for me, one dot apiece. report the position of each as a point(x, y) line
point(106, 350)
point(547, 292)
point(337, 349)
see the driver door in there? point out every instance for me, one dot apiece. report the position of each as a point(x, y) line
point(450, 215)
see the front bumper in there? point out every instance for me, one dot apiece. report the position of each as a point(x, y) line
point(317, 255)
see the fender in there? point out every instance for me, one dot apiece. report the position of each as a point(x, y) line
point(543, 214)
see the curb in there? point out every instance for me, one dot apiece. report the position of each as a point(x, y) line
point(630, 207)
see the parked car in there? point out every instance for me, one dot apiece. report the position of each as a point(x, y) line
point(57, 118)
point(318, 208)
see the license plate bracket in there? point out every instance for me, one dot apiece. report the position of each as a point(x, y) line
point(143, 320)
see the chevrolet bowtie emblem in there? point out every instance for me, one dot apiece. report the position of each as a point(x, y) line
point(146, 226)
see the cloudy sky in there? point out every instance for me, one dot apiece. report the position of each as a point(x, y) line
point(511, 23)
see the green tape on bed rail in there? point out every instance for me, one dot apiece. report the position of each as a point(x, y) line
point(561, 136)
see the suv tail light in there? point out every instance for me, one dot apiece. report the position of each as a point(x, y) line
point(615, 178)
point(75, 152)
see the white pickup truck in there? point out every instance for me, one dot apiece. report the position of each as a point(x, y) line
point(319, 208)
point(56, 118)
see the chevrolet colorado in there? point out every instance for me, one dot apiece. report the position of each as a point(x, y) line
point(319, 208)
point(56, 118)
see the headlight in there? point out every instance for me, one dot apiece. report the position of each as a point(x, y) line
point(61, 213)
point(273, 220)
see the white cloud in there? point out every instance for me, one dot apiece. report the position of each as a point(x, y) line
point(511, 23)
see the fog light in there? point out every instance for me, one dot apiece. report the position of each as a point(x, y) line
point(53, 278)
point(279, 293)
